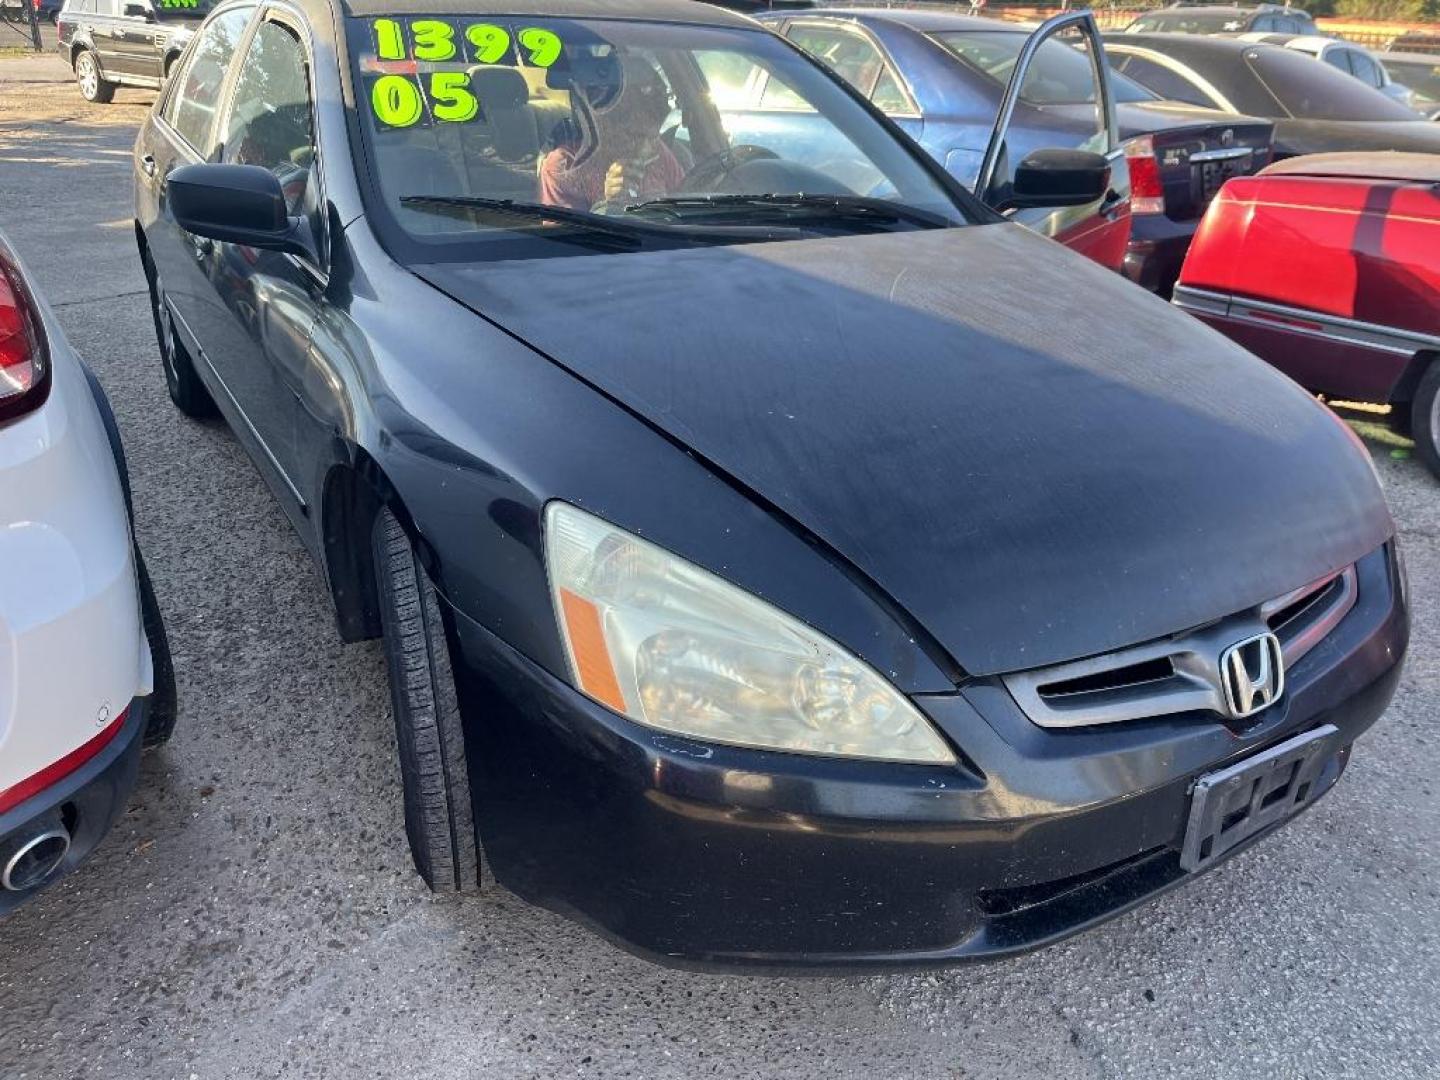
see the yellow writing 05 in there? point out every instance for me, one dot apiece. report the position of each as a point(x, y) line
point(397, 100)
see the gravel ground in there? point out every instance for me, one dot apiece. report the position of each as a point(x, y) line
point(254, 913)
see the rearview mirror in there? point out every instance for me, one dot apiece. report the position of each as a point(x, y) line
point(237, 204)
point(1052, 178)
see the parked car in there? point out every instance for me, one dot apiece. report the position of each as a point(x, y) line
point(45, 10)
point(940, 76)
point(1420, 72)
point(754, 582)
point(1354, 312)
point(1315, 107)
point(85, 676)
point(110, 43)
point(1220, 19)
point(1344, 56)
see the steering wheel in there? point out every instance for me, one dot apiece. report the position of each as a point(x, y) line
point(708, 172)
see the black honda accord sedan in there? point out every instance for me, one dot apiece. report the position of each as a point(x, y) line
point(781, 558)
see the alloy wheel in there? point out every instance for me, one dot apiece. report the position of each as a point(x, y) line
point(88, 76)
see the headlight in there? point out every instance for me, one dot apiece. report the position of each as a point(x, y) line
point(676, 648)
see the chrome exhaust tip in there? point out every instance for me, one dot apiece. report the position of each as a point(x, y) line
point(27, 860)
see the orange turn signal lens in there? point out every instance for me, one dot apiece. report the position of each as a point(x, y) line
point(593, 667)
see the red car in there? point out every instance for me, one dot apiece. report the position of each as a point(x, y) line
point(1328, 267)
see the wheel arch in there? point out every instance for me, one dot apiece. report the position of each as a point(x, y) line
point(354, 492)
point(79, 45)
point(1403, 392)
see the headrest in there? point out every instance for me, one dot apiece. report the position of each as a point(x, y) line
point(498, 87)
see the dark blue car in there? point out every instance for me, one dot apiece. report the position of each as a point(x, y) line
point(941, 75)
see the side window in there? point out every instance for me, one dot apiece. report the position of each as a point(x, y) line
point(1365, 69)
point(1339, 58)
point(270, 123)
point(1170, 85)
point(192, 109)
point(107, 7)
point(1265, 24)
point(854, 58)
point(887, 95)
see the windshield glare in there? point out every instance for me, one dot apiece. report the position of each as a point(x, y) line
point(638, 122)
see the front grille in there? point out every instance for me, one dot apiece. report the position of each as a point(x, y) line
point(1179, 674)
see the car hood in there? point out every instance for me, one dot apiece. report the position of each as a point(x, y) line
point(1038, 460)
point(1324, 136)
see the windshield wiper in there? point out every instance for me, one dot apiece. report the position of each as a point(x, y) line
point(611, 234)
point(855, 208)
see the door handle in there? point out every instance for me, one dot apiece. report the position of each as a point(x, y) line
point(1111, 204)
point(147, 164)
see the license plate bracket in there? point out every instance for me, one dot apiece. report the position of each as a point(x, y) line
point(1232, 804)
point(1213, 174)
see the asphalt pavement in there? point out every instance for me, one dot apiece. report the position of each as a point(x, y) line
point(255, 914)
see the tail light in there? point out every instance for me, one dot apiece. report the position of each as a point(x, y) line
point(1147, 192)
point(24, 359)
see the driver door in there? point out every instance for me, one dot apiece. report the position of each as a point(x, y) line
point(1101, 229)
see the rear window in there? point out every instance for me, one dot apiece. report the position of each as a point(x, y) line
point(1310, 91)
point(1188, 22)
point(1060, 74)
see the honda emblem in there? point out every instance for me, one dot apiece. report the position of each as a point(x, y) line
point(1252, 674)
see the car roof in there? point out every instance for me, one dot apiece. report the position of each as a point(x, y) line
point(1386, 165)
point(677, 11)
point(915, 18)
point(1316, 41)
point(1174, 44)
point(1219, 9)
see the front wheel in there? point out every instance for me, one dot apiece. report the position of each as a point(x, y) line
point(439, 820)
point(1425, 418)
point(93, 86)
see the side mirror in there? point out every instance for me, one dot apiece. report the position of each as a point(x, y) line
point(1053, 178)
point(139, 11)
point(236, 204)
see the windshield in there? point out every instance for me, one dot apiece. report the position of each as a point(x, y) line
point(1060, 75)
point(1188, 22)
point(1310, 91)
point(626, 128)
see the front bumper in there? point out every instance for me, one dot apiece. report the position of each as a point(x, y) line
point(702, 855)
point(87, 801)
point(1156, 251)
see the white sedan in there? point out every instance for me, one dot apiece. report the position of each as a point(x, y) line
point(85, 676)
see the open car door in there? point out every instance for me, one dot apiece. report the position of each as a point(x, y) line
point(1098, 229)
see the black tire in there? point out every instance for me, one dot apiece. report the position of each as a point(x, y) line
point(163, 709)
point(1425, 418)
point(439, 820)
point(187, 392)
point(91, 81)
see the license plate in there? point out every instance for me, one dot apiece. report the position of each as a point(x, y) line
point(1233, 804)
point(1213, 174)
